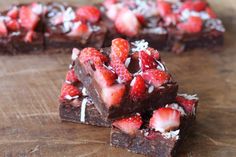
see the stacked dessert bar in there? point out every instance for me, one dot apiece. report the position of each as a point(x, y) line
point(127, 87)
point(173, 25)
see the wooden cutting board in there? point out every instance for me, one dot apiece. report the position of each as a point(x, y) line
point(30, 85)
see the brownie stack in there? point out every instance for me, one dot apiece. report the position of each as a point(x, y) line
point(127, 87)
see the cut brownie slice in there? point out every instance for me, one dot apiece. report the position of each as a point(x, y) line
point(162, 134)
point(21, 29)
point(69, 26)
point(144, 22)
point(124, 78)
point(75, 104)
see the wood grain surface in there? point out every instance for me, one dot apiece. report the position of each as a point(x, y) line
point(30, 84)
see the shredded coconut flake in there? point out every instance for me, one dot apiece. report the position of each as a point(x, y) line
point(215, 24)
point(171, 134)
point(75, 54)
point(127, 62)
point(156, 30)
point(176, 107)
point(132, 82)
point(68, 97)
point(189, 97)
point(82, 112)
point(69, 15)
point(38, 9)
point(150, 89)
point(139, 45)
point(160, 66)
point(84, 92)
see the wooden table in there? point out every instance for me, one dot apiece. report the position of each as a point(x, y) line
point(30, 85)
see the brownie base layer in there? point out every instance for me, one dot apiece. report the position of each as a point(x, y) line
point(73, 114)
point(156, 145)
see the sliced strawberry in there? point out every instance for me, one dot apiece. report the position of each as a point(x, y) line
point(104, 76)
point(211, 13)
point(127, 23)
point(29, 36)
point(109, 3)
point(188, 104)
point(113, 95)
point(124, 75)
point(199, 5)
point(165, 119)
point(3, 29)
point(13, 13)
point(147, 61)
point(28, 18)
point(154, 53)
point(92, 54)
point(79, 30)
point(113, 11)
point(90, 13)
point(71, 77)
point(171, 19)
point(13, 25)
point(156, 77)
point(164, 8)
point(129, 125)
point(37, 8)
point(69, 91)
point(120, 48)
point(186, 5)
point(193, 25)
point(138, 88)
point(141, 19)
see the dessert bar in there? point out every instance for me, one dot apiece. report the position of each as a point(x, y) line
point(75, 105)
point(159, 135)
point(125, 78)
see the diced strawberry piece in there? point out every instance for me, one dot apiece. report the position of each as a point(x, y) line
point(37, 8)
point(3, 29)
point(13, 25)
point(171, 19)
point(113, 11)
point(199, 5)
point(211, 13)
point(29, 36)
point(164, 8)
point(109, 3)
point(90, 13)
point(69, 91)
point(127, 23)
point(193, 25)
point(28, 18)
point(92, 54)
point(154, 53)
point(138, 88)
point(124, 75)
point(71, 77)
point(113, 95)
point(156, 77)
point(141, 19)
point(120, 48)
point(79, 29)
point(13, 13)
point(165, 119)
point(104, 76)
point(188, 104)
point(147, 61)
point(186, 5)
point(129, 125)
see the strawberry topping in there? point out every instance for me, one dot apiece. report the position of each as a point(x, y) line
point(28, 18)
point(156, 77)
point(13, 13)
point(91, 54)
point(188, 104)
point(71, 77)
point(69, 91)
point(211, 13)
point(90, 13)
point(138, 88)
point(3, 29)
point(104, 76)
point(164, 8)
point(120, 48)
point(29, 36)
point(13, 25)
point(129, 125)
point(147, 61)
point(113, 95)
point(197, 5)
point(79, 29)
point(127, 23)
point(193, 25)
point(165, 119)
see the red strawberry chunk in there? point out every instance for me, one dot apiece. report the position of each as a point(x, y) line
point(164, 8)
point(124, 75)
point(211, 13)
point(3, 29)
point(90, 13)
point(79, 30)
point(28, 18)
point(193, 25)
point(154, 53)
point(165, 119)
point(156, 77)
point(129, 125)
point(138, 88)
point(147, 61)
point(120, 48)
point(13, 25)
point(113, 95)
point(127, 23)
point(13, 13)
point(29, 36)
point(171, 19)
point(113, 12)
point(199, 5)
point(69, 92)
point(71, 77)
point(188, 104)
point(104, 76)
point(91, 54)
